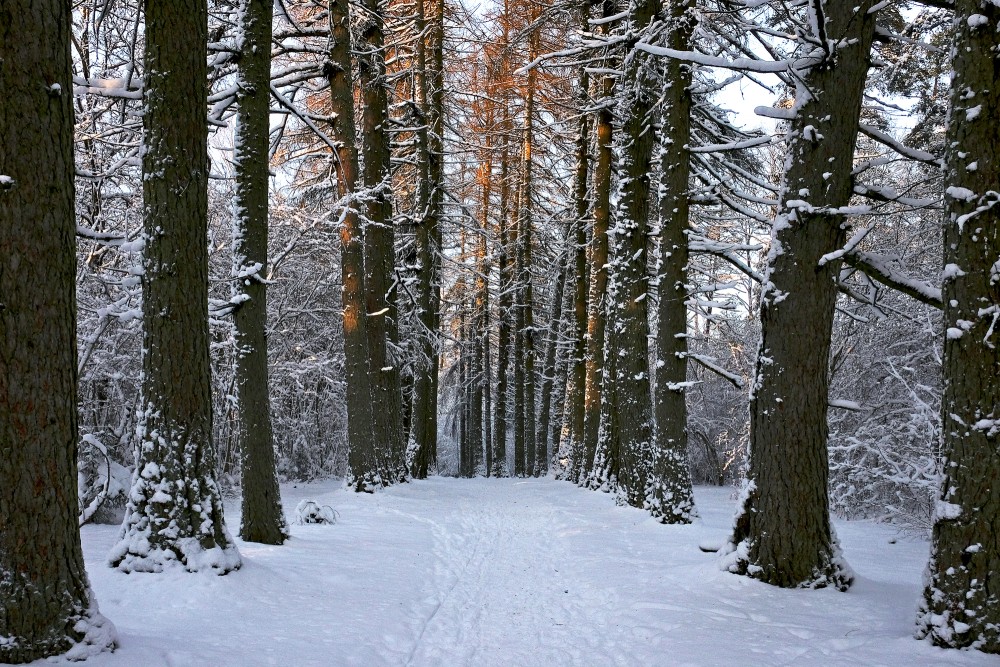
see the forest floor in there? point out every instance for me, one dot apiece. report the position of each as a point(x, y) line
point(510, 572)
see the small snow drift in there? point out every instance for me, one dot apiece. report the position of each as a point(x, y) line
point(309, 511)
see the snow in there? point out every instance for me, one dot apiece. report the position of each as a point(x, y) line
point(510, 572)
point(963, 194)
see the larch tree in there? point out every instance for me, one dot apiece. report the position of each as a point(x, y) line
point(782, 533)
point(263, 519)
point(961, 602)
point(174, 513)
point(597, 295)
point(363, 455)
point(46, 605)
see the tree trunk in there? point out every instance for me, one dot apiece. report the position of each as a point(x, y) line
point(549, 368)
point(379, 243)
point(672, 491)
point(481, 325)
point(504, 312)
point(782, 535)
point(597, 299)
point(46, 606)
point(961, 605)
point(174, 513)
point(517, 338)
point(423, 428)
point(625, 447)
point(362, 455)
point(263, 519)
point(436, 171)
point(577, 372)
point(526, 307)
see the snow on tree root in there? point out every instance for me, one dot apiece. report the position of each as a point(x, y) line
point(92, 634)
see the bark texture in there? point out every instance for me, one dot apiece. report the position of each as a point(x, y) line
point(263, 519)
point(46, 606)
point(783, 534)
point(598, 284)
point(422, 440)
point(174, 513)
point(672, 491)
point(625, 444)
point(362, 454)
point(961, 604)
point(379, 258)
point(504, 331)
point(576, 364)
point(422, 446)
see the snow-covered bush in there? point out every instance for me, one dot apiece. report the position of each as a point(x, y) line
point(309, 511)
point(103, 486)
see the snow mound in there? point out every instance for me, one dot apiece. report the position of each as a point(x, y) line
point(309, 511)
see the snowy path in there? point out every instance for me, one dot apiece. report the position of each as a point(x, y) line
point(510, 572)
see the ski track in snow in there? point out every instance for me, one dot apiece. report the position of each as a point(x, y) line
point(509, 572)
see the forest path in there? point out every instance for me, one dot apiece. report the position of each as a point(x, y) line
point(504, 584)
point(508, 572)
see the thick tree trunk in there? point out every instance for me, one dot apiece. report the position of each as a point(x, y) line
point(783, 534)
point(362, 453)
point(174, 513)
point(263, 519)
point(46, 606)
point(423, 425)
point(961, 605)
point(672, 491)
point(625, 447)
point(379, 242)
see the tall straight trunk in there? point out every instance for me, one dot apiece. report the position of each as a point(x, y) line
point(961, 603)
point(560, 368)
point(672, 490)
point(487, 398)
point(504, 312)
point(362, 454)
point(549, 368)
point(263, 519)
point(782, 534)
point(598, 288)
point(174, 512)
point(481, 313)
point(436, 172)
point(533, 465)
point(577, 370)
point(625, 448)
point(46, 605)
point(475, 429)
point(517, 337)
point(423, 429)
point(379, 244)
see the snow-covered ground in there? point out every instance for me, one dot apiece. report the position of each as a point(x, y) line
point(510, 572)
